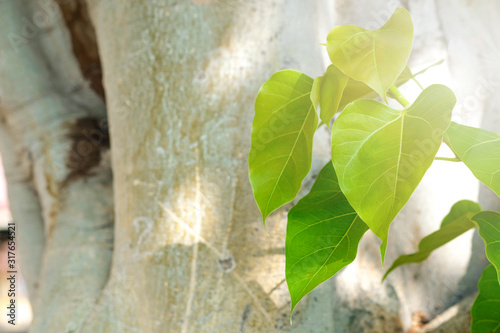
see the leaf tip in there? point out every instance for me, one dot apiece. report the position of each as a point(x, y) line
point(264, 217)
point(383, 248)
point(292, 307)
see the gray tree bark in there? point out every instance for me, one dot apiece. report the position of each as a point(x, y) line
point(173, 241)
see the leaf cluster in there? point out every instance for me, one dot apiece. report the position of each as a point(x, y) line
point(379, 156)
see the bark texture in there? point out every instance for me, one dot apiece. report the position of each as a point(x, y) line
point(191, 253)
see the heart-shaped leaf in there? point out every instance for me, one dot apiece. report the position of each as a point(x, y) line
point(327, 92)
point(380, 154)
point(488, 223)
point(282, 137)
point(334, 90)
point(479, 150)
point(322, 237)
point(485, 312)
point(377, 57)
point(355, 90)
point(454, 224)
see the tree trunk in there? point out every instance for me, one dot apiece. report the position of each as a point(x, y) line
point(191, 253)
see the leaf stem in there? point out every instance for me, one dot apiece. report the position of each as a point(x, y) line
point(430, 66)
point(450, 159)
point(418, 83)
point(396, 94)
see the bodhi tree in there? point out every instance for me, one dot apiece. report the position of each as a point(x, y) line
point(130, 192)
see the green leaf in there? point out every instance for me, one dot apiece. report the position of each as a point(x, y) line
point(376, 58)
point(488, 223)
point(381, 154)
point(355, 90)
point(454, 224)
point(282, 137)
point(334, 90)
point(485, 312)
point(479, 150)
point(461, 210)
point(327, 91)
point(322, 236)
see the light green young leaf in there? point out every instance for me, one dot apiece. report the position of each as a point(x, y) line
point(479, 150)
point(327, 91)
point(454, 224)
point(282, 137)
point(322, 236)
point(355, 90)
point(485, 312)
point(488, 223)
point(376, 58)
point(381, 154)
point(334, 90)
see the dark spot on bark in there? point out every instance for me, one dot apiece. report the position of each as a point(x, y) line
point(418, 321)
point(89, 137)
point(226, 264)
point(83, 41)
point(247, 312)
